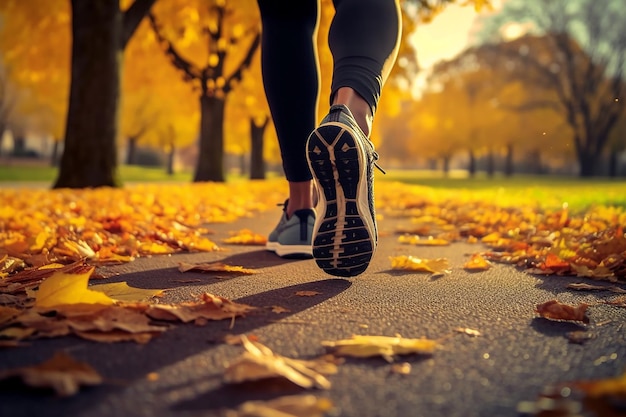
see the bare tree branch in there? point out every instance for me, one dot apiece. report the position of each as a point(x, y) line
point(132, 17)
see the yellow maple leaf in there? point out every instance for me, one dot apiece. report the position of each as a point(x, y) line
point(411, 263)
point(367, 346)
point(65, 288)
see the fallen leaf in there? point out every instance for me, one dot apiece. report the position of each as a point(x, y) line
point(581, 286)
point(477, 263)
point(246, 237)
point(121, 291)
point(214, 267)
point(62, 373)
point(555, 310)
point(437, 266)
point(289, 406)
point(387, 347)
point(209, 307)
point(69, 288)
point(468, 331)
point(259, 362)
point(307, 293)
point(416, 240)
point(279, 310)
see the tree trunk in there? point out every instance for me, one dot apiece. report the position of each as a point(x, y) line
point(613, 163)
point(131, 150)
point(446, 165)
point(508, 161)
point(19, 145)
point(210, 166)
point(100, 32)
point(588, 163)
point(257, 164)
point(471, 169)
point(169, 167)
point(54, 156)
point(3, 129)
point(491, 164)
point(90, 155)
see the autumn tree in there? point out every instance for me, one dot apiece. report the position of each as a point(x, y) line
point(220, 40)
point(577, 49)
point(100, 32)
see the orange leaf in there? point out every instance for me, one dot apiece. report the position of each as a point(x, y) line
point(554, 310)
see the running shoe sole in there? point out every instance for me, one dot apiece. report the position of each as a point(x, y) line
point(290, 251)
point(344, 237)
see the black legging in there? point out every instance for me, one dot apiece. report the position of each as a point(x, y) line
point(363, 36)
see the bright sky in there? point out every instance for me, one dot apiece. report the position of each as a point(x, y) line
point(447, 35)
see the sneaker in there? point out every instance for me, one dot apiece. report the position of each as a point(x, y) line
point(291, 238)
point(341, 159)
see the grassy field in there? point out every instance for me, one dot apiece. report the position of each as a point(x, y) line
point(551, 191)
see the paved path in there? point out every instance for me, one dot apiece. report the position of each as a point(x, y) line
point(516, 356)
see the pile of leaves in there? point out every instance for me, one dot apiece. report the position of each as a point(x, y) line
point(539, 240)
point(40, 227)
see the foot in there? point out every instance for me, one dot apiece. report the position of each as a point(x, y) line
point(291, 238)
point(341, 159)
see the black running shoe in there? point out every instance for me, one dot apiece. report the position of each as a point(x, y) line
point(342, 159)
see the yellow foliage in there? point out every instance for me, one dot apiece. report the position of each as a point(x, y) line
point(69, 288)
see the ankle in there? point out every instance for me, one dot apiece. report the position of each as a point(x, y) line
point(359, 108)
point(300, 197)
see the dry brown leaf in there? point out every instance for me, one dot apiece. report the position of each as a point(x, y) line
point(214, 267)
point(62, 373)
point(555, 310)
point(289, 406)
point(437, 266)
point(477, 263)
point(115, 336)
point(209, 307)
point(581, 286)
point(307, 293)
point(387, 347)
point(259, 362)
point(246, 237)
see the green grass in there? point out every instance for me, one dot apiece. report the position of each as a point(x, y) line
point(547, 191)
point(47, 174)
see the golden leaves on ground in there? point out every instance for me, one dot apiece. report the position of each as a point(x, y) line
point(385, 346)
point(105, 225)
point(246, 237)
point(589, 244)
point(65, 305)
point(62, 373)
point(437, 266)
point(259, 362)
point(216, 266)
point(287, 406)
point(555, 310)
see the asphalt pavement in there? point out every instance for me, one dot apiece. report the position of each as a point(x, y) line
point(515, 357)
